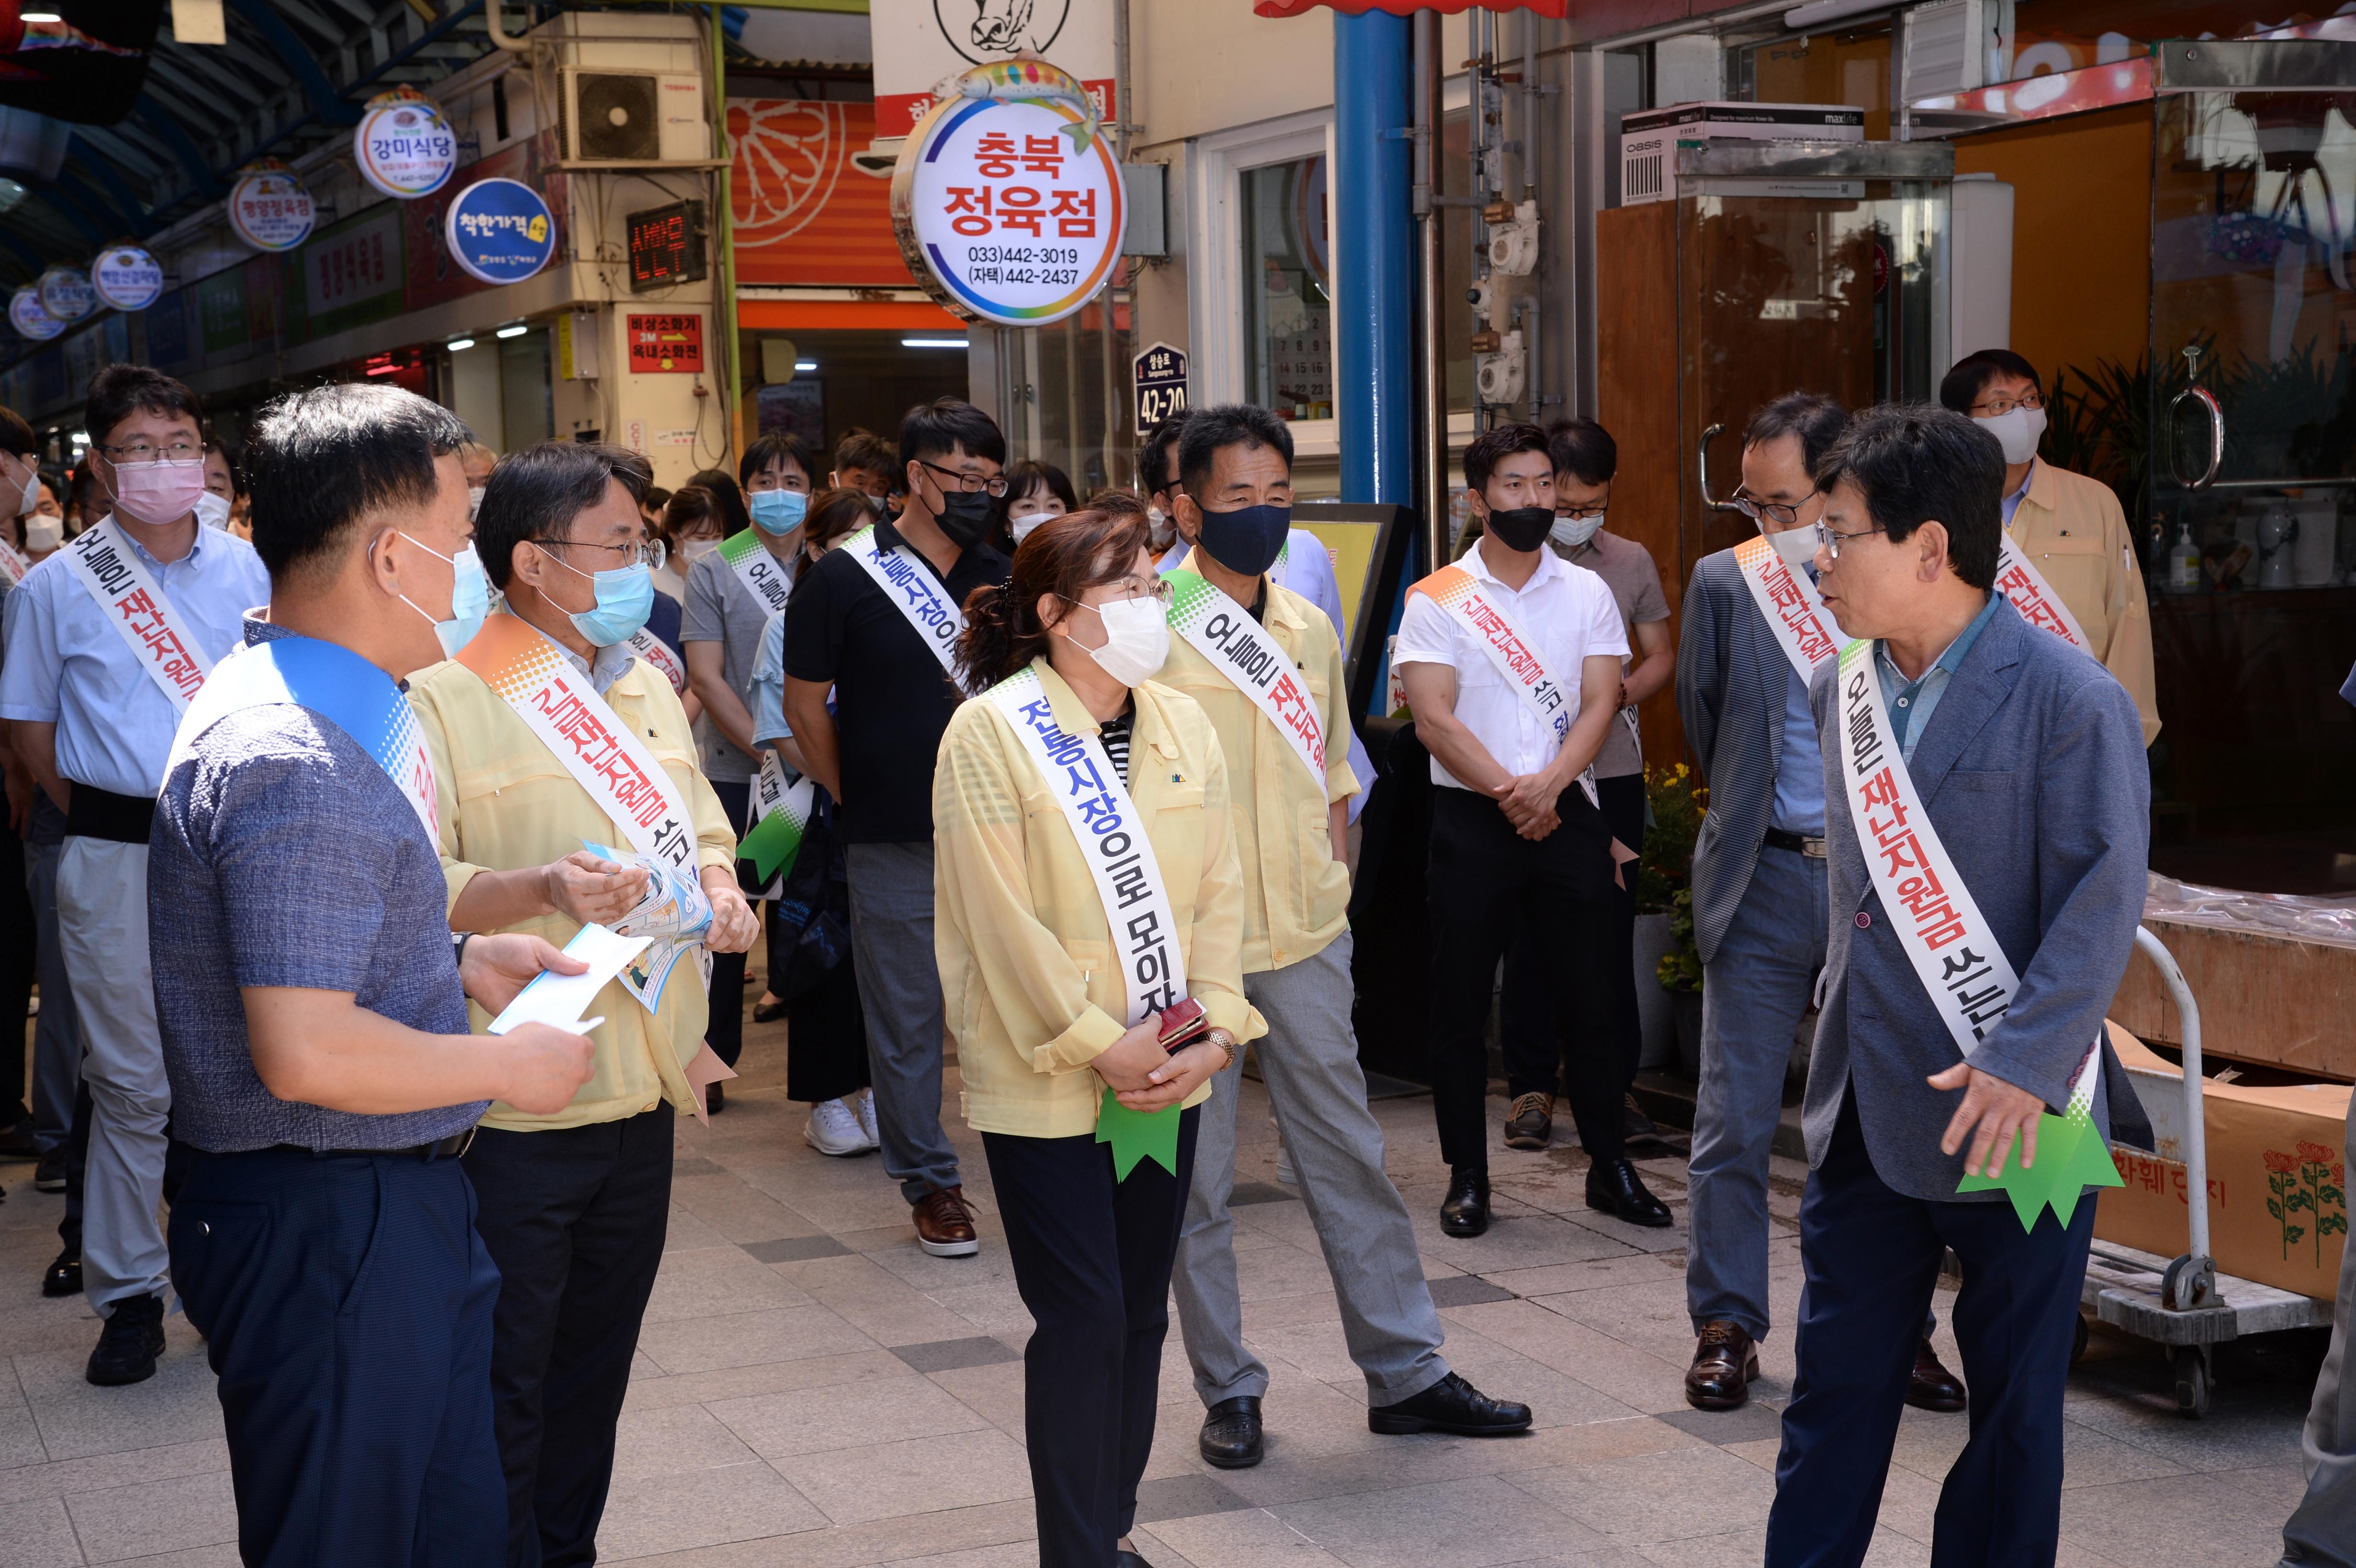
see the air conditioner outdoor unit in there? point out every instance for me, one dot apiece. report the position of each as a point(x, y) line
point(634, 117)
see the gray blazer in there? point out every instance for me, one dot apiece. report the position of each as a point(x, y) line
point(2032, 771)
point(1731, 684)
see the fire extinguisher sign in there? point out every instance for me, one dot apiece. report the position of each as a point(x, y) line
point(666, 345)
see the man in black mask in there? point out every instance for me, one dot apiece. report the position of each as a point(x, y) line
point(1511, 662)
point(875, 622)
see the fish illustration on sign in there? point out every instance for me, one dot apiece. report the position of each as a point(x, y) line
point(1029, 80)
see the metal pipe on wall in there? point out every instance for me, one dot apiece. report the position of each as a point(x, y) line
point(1374, 339)
point(1432, 362)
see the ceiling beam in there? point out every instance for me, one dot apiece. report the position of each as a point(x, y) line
point(325, 103)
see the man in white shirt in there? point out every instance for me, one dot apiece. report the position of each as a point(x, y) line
point(1511, 662)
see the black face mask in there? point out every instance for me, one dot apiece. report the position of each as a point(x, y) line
point(965, 516)
point(1247, 540)
point(1521, 528)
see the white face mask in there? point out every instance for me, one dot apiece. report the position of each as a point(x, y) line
point(696, 549)
point(1572, 532)
point(1160, 530)
point(2017, 430)
point(44, 533)
point(1023, 528)
point(32, 496)
point(1137, 640)
point(212, 510)
point(1796, 546)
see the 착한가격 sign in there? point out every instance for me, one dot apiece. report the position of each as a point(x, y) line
point(500, 230)
point(1161, 373)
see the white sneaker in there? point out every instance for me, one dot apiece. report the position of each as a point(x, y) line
point(834, 1128)
point(866, 1108)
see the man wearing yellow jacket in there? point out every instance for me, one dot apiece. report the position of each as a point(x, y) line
point(547, 734)
point(1265, 663)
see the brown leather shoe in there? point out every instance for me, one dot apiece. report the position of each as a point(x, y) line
point(1932, 1386)
point(1531, 1121)
point(1724, 1363)
point(945, 1225)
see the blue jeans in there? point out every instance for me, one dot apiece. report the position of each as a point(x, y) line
point(1755, 990)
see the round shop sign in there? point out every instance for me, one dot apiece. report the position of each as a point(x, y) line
point(500, 230)
point(402, 144)
point(1007, 198)
point(25, 314)
point(126, 277)
point(65, 293)
point(269, 208)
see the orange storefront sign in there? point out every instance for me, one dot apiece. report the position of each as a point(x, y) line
point(810, 198)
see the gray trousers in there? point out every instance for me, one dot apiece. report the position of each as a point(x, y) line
point(56, 1035)
point(2322, 1531)
point(102, 934)
point(1308, 1061)
point(900, 990)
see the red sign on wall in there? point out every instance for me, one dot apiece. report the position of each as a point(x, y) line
point(666, 343)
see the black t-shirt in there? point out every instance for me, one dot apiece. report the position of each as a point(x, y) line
point(892, 700)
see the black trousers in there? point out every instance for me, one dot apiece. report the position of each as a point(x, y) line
point(1489, 887)
point(1533, 1046)
point(575, 1219)
point(723, 1031)
point(1872, 1258)
point(1092, 1260)
point(826, 1039)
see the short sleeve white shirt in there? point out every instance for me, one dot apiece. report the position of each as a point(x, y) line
point(1566, 612)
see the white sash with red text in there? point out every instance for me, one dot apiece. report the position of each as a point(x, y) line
point(1238, 647)
point(156, 634)
point(1788, 602)
point(658, 654)
point(1460, 594)
point(915, 591)
point(2017, 579)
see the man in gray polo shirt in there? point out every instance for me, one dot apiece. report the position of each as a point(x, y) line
point(313, 1008)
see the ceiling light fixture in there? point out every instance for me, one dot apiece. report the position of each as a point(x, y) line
point(516, 331)
point(932, 343)
point(455, 343)
point(801, 365)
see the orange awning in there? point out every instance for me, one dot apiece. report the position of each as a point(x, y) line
point(823, 315)
point(1555, 8)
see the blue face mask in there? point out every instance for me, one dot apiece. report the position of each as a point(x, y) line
point(1247, 540)
point(470, 598)
point(777, 511)
point(625, 596)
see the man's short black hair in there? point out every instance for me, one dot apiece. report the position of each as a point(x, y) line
point(1157, 460)
point(535, 493)
point(1962, 387)
point(1584, 450)
point(940, 428)
point(1492, 447)
point(16, 437)
point(321, 462)
point(119, 391)
point(1915, 464)
point(1209, 431)
point(771, 447)
point(1814, 418)
point(862, 448)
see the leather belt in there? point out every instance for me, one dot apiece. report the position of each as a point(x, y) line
point(451, 1147)
point(1798, 844)
point(95, 812)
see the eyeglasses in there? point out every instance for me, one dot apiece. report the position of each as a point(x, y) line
point(994, 486)
point(1996, 408)
point(651, 554)
point(1775, 512)
point(1157, 588)
point(140, 451)
point(1832, 541)
point(1581, 514)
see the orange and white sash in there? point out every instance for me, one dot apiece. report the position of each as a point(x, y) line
point(1513, 653)
point(156, 633)
point(658, 654)
point(1239, 648)
point(2017, 579)
point(1787, 599)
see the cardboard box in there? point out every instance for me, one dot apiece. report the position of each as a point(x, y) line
point(2266, 996)
point(2278, 1177)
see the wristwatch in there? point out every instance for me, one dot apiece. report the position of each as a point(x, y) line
point(1225, 1041)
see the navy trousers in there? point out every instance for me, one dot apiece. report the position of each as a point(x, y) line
point(1871, 1257)
point(346, 1305)
point(1092, 1259)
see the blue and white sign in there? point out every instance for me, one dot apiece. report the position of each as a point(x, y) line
point(402, 144)
point(500, 230)
point(65, 293)
point(25, 314)
point(126, 277)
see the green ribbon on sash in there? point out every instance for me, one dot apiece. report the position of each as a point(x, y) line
point(1138, 1134)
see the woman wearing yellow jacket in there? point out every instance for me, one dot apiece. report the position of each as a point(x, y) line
point(1073, 786)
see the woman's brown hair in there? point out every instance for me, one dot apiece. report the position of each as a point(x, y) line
point(834, 516)
point(1064, 557)
point(689, 505)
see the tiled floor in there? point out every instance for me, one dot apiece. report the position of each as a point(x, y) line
point(812, 1390)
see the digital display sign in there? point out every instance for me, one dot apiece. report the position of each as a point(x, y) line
point(666, 245)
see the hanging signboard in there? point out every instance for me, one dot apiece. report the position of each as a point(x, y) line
point(65, 293)
point(25, 314)
point(402, 144)
point(269, 208)
point(1007, 198)
point(500, 231)
point(1160, 376)
point(125, 277)
point(920, 46)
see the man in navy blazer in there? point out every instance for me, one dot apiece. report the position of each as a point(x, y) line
point(2027, 758)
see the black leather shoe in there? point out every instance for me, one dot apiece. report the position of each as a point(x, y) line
point(1532, 1120)
point(1465, 1210)
point(1231, 1433)
point(1613, 1185)
point(1932, 1386)
point(129, 1344)
point(64, 1275)
point(765, 1011)
point(1724, 1363)
point(716, 1098)
point(1452, 1404)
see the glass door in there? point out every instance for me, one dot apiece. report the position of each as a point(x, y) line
point(2248, 487)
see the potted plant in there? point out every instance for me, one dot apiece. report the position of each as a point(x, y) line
point(1666, 952)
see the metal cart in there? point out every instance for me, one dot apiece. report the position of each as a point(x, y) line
point(2185, 1304)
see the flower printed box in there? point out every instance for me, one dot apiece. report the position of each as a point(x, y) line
point(2278, 1177)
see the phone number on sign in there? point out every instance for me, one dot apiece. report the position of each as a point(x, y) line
point(1058, 277)
point(1021, 256)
